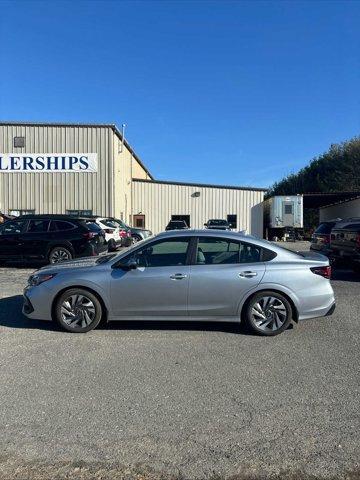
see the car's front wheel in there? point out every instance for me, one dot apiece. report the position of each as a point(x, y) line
point(78, 310)
point(268, 313)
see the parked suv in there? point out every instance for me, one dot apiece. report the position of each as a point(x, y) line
point(176, 225)
point(137, 234)
point(217, 224)
point(115, 235)
point(50, 238)
point(345, 243)
point(320, 239)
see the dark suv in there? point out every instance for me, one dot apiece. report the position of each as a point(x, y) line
point(320, 239)
point(50, 238)
point(345, 243)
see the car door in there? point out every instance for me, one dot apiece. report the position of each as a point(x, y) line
point(158, 287)
point(36, 238)
point(222, 272)
point(11, 242)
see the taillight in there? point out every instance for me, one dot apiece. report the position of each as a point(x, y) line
point(123, 233)
point(89, 235)
point(358, 240)
point(322, 271)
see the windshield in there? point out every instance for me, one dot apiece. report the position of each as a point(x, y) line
point(218, 222)
point(105, 258)
point(107, 222)
point(325, 227)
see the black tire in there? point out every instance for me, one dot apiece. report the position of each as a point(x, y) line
point(59, 254)
point(78, 299)
point(270, 318)
point(136, 238)
point(112, 247)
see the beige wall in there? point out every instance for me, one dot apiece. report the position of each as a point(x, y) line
point(158, 201)
point(341, 210)
point(57, 192)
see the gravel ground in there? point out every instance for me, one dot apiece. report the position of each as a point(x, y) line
point(175, 401)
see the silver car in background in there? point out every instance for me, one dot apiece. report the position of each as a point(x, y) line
point(186, 275)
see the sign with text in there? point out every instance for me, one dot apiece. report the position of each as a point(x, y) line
point(48, 162)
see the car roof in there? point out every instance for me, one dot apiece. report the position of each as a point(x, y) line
point(50, 216)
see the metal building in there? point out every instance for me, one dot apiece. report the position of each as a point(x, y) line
point(160, 201)
point(91, 169)
point(104, 189)
point(345, 209)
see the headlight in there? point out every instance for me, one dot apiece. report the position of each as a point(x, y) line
point(38, 278)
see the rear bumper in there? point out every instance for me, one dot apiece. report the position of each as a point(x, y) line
point(331, 310)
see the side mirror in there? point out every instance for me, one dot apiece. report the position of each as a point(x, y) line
point(130, 265)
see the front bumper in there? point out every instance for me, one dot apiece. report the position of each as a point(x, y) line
point(34, 305)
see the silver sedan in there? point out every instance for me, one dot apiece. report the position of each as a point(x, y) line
point(186, 275)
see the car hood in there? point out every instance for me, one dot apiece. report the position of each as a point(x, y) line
point(70, 264)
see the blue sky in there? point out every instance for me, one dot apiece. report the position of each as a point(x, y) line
point(211, 91)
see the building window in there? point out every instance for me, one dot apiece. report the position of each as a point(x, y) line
point(79, 213)
point(186, 218)
point(232, 220)
point(139, 221)
point(19, 142)
point(17, 213)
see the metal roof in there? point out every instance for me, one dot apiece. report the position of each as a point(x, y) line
point(89, 125)
point(341, 202)
point(205, 185)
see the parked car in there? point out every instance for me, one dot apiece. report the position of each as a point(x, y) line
point(186, 275)
point(320, 239)
point(176, 225)
point(137, 234)
point(50, 238)
point(217, 224)
point(345, 243)
point(115, 235)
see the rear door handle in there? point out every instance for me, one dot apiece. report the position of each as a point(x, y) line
point(247, 274)
point(178, 276)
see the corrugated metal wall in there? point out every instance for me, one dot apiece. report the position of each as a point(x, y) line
point(159, 201)
point(57, 192)
point(347, 209)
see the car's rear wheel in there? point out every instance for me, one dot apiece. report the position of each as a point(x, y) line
point(78, 310)
point(112, 245)
point(268, 313)
point(136, 238)
point(59, 254)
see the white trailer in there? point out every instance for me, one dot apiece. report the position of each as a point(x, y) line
point(283, 214)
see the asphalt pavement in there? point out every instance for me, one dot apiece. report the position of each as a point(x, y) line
point(176, 401)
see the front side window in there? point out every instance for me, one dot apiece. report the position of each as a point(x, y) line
point(11, 227)
point(220, 251)
point(36, 226)
point(166, 253)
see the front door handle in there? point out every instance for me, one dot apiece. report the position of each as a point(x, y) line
point(178, 276)
point(247, 274)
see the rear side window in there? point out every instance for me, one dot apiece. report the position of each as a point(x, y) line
point(325, 228)
point(220, 251)
point(38, 226)
point(61, 226)
point(267, 255)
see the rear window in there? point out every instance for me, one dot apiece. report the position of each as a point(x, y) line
point(325, 228)
point(93, 227)
point(218, 222)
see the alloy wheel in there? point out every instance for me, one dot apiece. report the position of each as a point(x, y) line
point(77, 311)
point(60, 255)
point(269, 314)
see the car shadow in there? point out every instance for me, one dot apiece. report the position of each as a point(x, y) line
point(11, 316)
